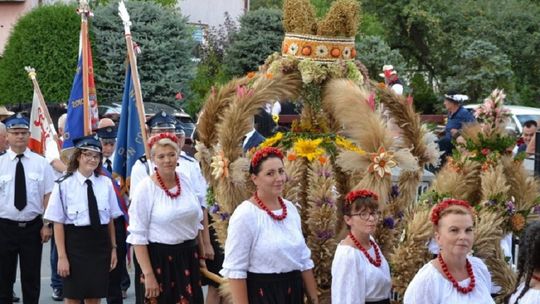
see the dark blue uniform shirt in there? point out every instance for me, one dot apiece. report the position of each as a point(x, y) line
point(456, 120)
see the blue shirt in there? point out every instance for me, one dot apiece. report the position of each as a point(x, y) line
point(456, 120)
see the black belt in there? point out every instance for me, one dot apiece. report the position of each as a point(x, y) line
point(21, 224)
point(385, 301)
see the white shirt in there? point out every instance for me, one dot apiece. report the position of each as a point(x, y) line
point(190, 170)
point(355, 280)
point(257, 243)
point(198, 182)
point(247, 137)
point(111, 158)
point(69, 200)
point(429, 286)
point(51, 154)
point(39, 182)
point(532, 296)
point(157, 218)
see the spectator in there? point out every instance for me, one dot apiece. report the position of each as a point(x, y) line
point(457, 116)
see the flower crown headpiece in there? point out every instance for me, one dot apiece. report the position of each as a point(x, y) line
point(353, 195)
point(436, 212)
point(155, 138)
point(264, 152)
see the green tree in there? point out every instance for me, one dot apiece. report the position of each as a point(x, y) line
point(165, 64)
point(210, 70)
point(47, 38)
point(424, 98)
point(374, 52)
point(260, 34)
point(257, 4)
point(482, 67)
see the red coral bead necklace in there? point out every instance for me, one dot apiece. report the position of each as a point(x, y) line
point(272, 215)
point(536, 277)
point(451, 278)
point(169, 193)
point(377, 261)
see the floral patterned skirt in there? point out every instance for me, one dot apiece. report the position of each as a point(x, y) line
point(176, 268)
point(278, 288)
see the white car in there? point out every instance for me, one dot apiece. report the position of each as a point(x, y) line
point(520, 115)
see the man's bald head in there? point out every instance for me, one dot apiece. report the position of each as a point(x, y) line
point(105, 122)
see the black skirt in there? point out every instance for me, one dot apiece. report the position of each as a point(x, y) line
point(176, 268)
point(279, 288)
point(216, 264)
point(89, 256)
point(385, 301)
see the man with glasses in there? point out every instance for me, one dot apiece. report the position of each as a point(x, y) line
point(25, 185)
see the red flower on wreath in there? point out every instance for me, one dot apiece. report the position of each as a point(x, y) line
point(154, 139)
point(264, 152)
point(362, 193)
point(436, 211)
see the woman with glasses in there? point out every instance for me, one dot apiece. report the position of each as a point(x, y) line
point(360, 273)
point(82, 206)
point(267, 260)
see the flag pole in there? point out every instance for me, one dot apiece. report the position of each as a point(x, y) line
point(32, 74)
point(123, 13)
point(84, 11)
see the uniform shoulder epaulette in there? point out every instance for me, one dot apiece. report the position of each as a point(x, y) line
point(191, 159)
point(63, 177)
point(143, 159)
point(2, 153)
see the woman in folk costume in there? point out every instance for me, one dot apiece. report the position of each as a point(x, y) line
point(453, 277)
point(82, 206)
point(360, 273)
point(528, 289)
point(165, 219)
point(266, 257)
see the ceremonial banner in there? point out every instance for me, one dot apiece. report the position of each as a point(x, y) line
point(82, 116)
point(129, 143)
point(43, 136)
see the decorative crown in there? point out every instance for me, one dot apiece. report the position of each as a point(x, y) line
point(436, 212)
point(362, 193)
point(155, 138)
point(325, 40)
point(264, 152)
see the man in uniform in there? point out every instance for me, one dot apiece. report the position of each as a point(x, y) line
point(25, 185)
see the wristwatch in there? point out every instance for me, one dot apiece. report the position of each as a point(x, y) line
point(47, 223)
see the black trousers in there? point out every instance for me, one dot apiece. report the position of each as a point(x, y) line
point(21, 241)
point(115, 276)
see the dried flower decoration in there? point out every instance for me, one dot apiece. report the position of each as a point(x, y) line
point(381, 162)
point(362, 193)
point(220, 165)
point(436, 212)
point(265, 152)
point(155, 138)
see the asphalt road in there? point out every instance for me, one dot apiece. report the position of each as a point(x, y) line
point(46, 291)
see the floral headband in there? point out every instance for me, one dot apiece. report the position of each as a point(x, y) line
point(435, 214)
point(155, 138)
point(353, 195)
point(264, 152)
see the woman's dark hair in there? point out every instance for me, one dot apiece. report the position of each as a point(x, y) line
point(73, 164)
point(529, 256)
point(261, 156)
point(361, 203)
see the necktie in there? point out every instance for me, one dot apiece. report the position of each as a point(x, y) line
point(109, 165)
point(20, 185)
point(92, 205)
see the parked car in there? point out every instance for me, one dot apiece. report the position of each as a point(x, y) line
point(520, 115)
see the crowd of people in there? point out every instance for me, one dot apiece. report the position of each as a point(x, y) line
point(265, 258)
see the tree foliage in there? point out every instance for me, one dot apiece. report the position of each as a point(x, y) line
point(47, 38)
point(210, 70)
point(374, 52)
point(260, 34)
point(165, 64)
point(481, 67)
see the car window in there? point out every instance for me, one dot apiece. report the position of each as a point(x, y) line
point(524, 117)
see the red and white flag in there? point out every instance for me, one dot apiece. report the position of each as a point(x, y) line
point(43, 136)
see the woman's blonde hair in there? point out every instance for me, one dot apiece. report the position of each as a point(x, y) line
point(164, 142)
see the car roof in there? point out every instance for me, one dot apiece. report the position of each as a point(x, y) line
point(516, 110)
point(150, 108)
